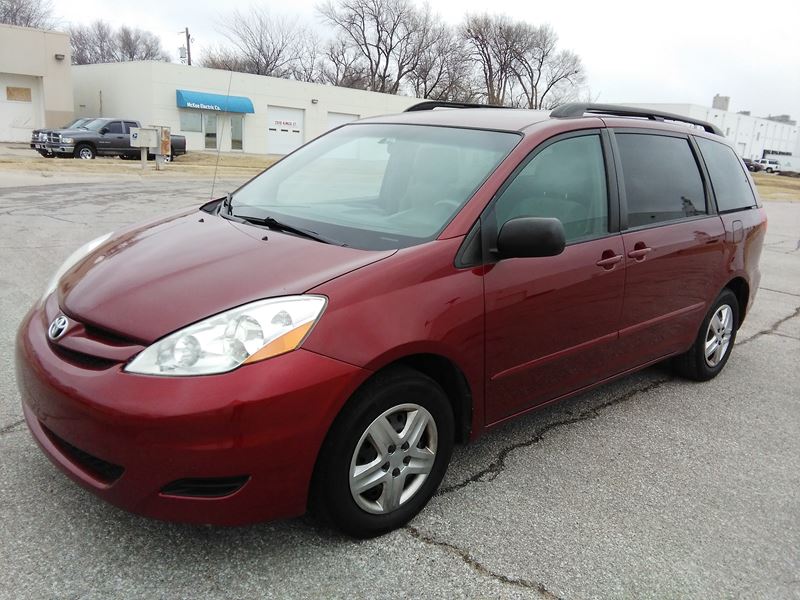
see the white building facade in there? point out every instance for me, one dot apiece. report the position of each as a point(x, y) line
point(220, 110)
point(35, 81)
point(753, 137)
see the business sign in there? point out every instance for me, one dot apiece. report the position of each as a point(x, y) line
point(203, 106)
point(215, 102)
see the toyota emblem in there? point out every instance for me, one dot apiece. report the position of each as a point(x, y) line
point(57, 327)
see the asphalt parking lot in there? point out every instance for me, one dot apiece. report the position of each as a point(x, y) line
point(648, 487)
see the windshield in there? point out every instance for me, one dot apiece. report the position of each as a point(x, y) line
point(94, 124)
point(376, 186)
point(76, 123)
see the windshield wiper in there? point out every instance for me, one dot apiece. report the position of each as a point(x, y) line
point(275, 225)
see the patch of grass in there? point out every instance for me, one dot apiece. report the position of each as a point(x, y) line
point(777, 187)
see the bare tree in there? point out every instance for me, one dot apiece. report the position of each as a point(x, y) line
point(388, 35)
point(263, 44)
point(310, 58)
point(100, 43)
point(494, 42)
point(136, 44)
point(543, 72)
point(342, 66)
point(444, 71)
point(27, 13)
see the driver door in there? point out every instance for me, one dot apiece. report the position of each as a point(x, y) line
point(552, 322)
point(114, 140)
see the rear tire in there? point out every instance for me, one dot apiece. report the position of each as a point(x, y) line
point(714, 343)
point(385, 454)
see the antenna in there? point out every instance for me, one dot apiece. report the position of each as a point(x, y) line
point(221, 130)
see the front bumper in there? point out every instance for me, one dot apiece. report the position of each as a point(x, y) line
point(265, 421)
point(60, 148)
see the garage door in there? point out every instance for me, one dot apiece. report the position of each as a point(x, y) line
point(284, 129)
point(20, 107)
point(335, 119)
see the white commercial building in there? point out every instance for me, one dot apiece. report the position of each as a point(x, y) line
point(35, 81)
point(753, 137)
point(220, 110)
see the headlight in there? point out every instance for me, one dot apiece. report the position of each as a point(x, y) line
point(221, 343)
point(72, 260)
point(67, 140)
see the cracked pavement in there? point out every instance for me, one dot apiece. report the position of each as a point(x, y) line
point(649, 487)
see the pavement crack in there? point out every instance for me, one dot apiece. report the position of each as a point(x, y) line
point(772, 328)
point(12, 427)
point(479, 567)
point(780, 292)
point(498, 465)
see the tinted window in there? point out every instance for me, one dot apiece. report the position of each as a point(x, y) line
point(129, 125)
point(114, 127)
point(662, 181)
point(566, 180)
point(728, 178)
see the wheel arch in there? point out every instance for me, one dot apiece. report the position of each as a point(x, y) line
point(454, 383)
point(86, 143)
point(740, 287)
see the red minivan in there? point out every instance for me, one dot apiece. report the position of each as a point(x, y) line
point(323, 335)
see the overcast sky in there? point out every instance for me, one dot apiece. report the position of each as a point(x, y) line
point(671, 51)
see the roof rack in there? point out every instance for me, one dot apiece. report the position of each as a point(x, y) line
point(578, 109)
point(431, 104)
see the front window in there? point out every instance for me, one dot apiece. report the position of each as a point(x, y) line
point(377, 186)
point(95, 124)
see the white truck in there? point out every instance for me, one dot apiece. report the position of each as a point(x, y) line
point(770, 164)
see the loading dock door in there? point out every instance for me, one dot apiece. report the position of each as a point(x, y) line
point(336, 118)
point(284, 129)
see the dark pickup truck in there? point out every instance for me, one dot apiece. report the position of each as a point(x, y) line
point(102, 137)
point(39, 137)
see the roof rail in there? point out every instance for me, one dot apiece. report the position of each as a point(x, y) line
point(431, 104)
point(578, 109)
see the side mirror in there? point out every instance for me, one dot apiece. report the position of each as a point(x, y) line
point(103, 131)
point(527, 237)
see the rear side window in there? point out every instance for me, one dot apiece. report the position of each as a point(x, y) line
point(114, 127)
point(728, 178)
point(662, 179)
point(566, 180)
point(130, 125)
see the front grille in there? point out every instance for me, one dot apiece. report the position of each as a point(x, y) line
point(96, 467)
point(55, 137)
point(205, 487)
point(80, 359)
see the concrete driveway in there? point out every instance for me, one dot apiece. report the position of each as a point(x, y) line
point(649, 487)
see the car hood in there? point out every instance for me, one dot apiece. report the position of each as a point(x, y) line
point(151, 280)
point(69, 132)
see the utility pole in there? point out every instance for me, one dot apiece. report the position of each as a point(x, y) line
point(188, 47)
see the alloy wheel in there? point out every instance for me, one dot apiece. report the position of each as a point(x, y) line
point(85, 153)
point(393, 458)
point(718, 335)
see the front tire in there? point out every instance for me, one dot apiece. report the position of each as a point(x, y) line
point(714, 343)
point(385, 454)
point(85, 152)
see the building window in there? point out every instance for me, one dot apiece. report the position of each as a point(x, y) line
point(18, 94)
point(191, 120)
point(236, 132)
point(210, 122)
point(727, 131)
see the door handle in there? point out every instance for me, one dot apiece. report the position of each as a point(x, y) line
point(639, 251)
point(609, 260)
